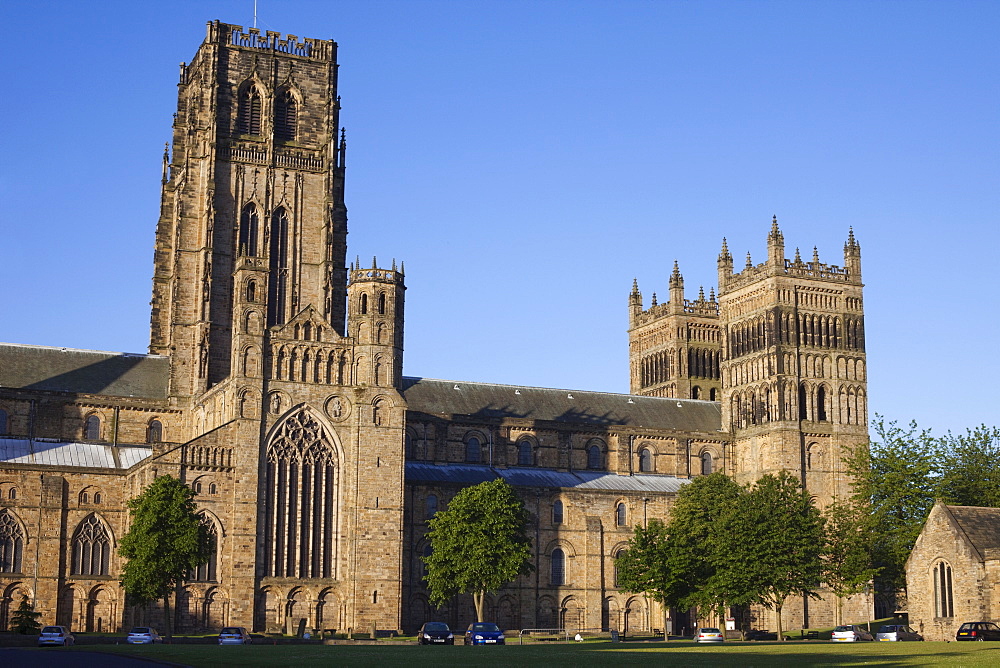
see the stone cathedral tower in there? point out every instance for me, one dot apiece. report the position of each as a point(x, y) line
point(794, 393)
point(290, 408)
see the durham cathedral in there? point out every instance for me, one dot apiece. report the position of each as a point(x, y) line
point(274, 387)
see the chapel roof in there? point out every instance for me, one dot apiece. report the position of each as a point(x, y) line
point(53, 369)
point(447, 398)
point(982, 526)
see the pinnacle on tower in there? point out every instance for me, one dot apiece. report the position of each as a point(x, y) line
point(635, 297)
point(815, 256)
point(776, 246)
point(701, 293)
point(724, 253)
point(798, 258)
point(749, 261)
point(654, 299)
point(675, 276)
point(711, 294)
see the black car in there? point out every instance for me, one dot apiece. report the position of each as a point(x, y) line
point(435, 633)
point(978, 631)
point(755, 634)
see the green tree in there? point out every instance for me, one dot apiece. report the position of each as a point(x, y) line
point(650, 566)
point(478, 544)
point(165, 541)
point(697, 542)
point(896, 476)
point(848, 567)
point(970, 468)
point(24, 620)
point(772, 546)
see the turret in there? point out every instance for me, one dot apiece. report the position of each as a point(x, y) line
point(676, 290)
point(634, 302)
point(852, 257)
point(776, 246)
point(725, 266)
point(375, 321)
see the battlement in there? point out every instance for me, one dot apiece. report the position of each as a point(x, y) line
point(697, 307)
point(376, 275)
point(233, 35)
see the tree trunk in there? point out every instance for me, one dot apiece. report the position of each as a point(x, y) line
point(777, 619)
point(478, 598)
point(666, 614)
point(167, 618)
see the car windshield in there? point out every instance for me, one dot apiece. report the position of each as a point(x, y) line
point(482, 626)
point(52, 629)
point(435, 626)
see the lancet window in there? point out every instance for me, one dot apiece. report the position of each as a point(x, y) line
point(248, 119)
point(278, 263)
point(301, 487)
point(285, 116)
point(91, 548)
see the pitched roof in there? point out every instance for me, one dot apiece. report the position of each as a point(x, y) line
point(66, 453)
point(982, 526)
point(596, 409)
point(83, 371)
point(471, 474)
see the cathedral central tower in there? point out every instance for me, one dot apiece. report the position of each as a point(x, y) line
point(252, 214)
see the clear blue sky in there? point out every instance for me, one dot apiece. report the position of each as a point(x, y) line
point(528, 159)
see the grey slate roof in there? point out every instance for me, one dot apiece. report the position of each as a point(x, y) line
point(83, 371)
point(982, 526)
point(470, 474)
point(95, 455)
point(600, 409)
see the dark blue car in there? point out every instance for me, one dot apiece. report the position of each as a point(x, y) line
point(484, 633)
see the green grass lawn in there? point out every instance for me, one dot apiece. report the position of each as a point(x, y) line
point(675, 653)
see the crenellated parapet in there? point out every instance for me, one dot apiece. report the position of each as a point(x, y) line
point(229, 34)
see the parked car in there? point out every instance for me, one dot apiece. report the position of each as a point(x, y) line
point(234, 635)
point(143, 635)
point(850, 633)
point(708, 635)
point(484, 633)
point(978, 631)
point(894, 632)
point(435, 633)
point(55, 636)
point(764, 634)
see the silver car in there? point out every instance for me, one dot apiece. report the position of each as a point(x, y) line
point(234, 635)
point(897, 632)
point(55, 636)
point(850, 633)
point(143, 635)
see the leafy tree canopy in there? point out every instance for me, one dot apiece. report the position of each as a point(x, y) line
point(166, 540)
point(478, 544)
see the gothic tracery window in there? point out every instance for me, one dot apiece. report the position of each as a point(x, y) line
point(248, 117)
point(944, 600)
point(285, 116)
point(277, 280)
point(301, 483)
point(206, 572)
point(249, 227)
point(11, 543)
point(91, 548)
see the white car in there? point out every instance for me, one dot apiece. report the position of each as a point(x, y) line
point(708, 635)
point(143, 635)
point(850, 633)
point(55, 636)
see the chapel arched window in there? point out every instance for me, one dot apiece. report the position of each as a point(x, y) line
point(286, 116)
point(706, 463)
point(557, 574)
point(154, 432)
point(91, 554)
point(473, 450)
point(11, 543)
point(621, 515)
point(525, 454)
point(432, 505)
point(645, 460)
point(92, 428)
point(206, 572)
point(595, 460)
point(944, 600)
point(557, 512)
point(249, 229)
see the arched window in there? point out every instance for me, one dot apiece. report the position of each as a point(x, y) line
point(557, 576)
point(381, 303)
point(645, 460)
point(363, 303)
point(277, 279)
point(428, 550)
point(249, 226)
point(286, 116)
point(621, 515)
point(706, 463)
point(197, 487)
point(432, 505)
point(84, 497)
point(594, 457)
point(154, 432)
point(213, 488)
point(944, 603)
point(11, 543)
point(525, 454)
point(251, 291)
point(696, 392)
point(473, 450)
point(557, 512)
point(301, 487)
point(4, 430)
point(618, 555)
point(92, 428)
point(821, 404)
point(97, 497)
point(711, 394)
point(206, 572)
point(91, 548)
point(248, 118)
point(803, 403)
